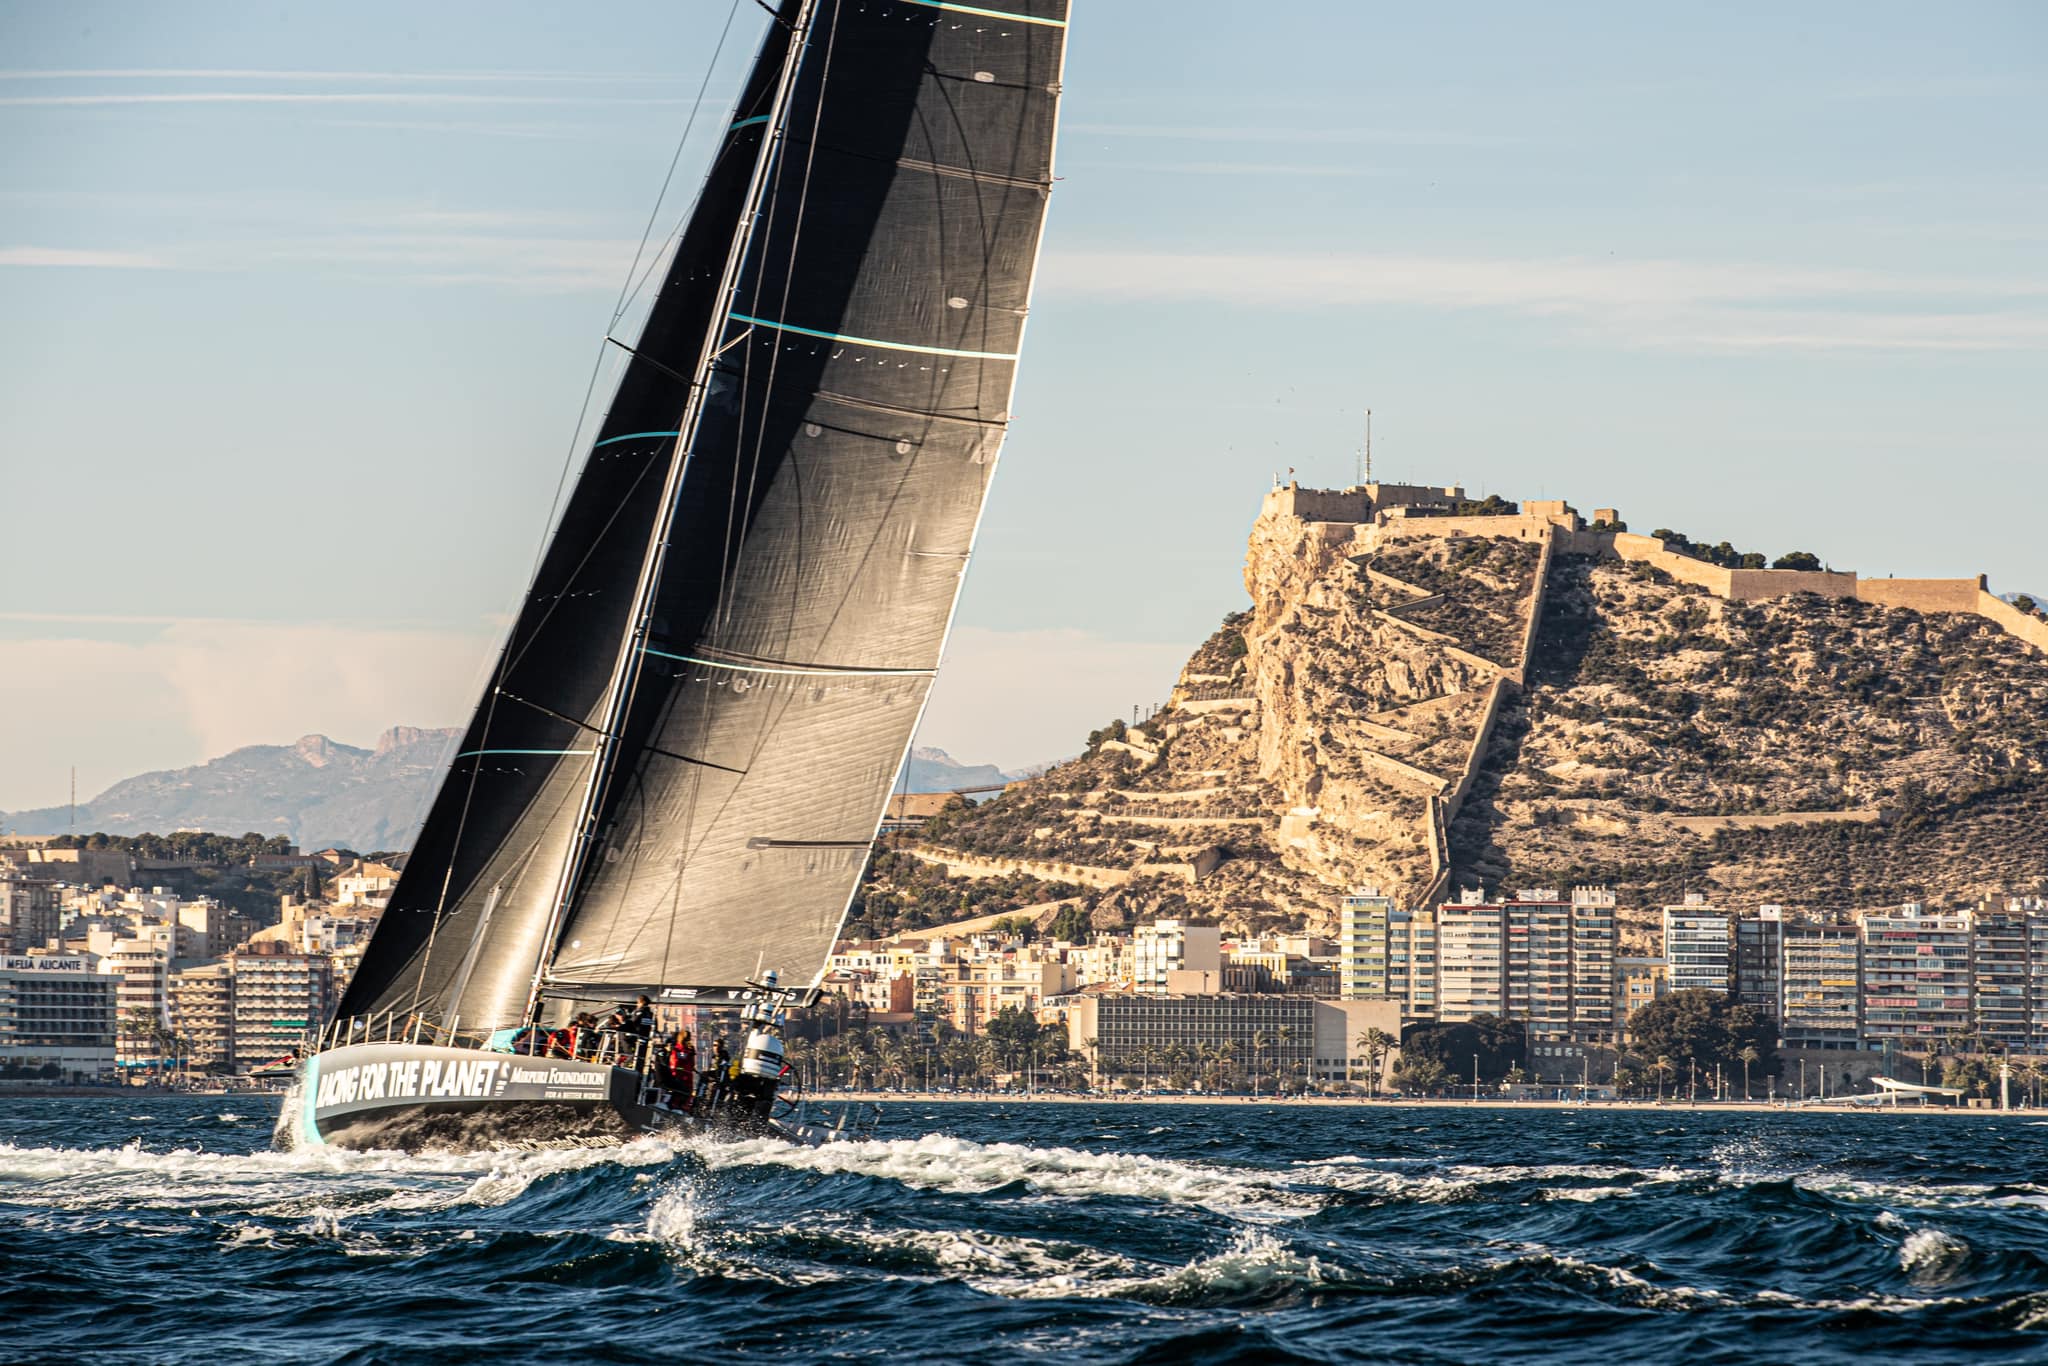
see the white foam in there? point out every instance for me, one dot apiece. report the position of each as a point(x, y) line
point(1589, 1194)
point(1254, 1261)
point(943, 1163)
point(1931, 1257)
point(1910, 1193)
point(292, 1184)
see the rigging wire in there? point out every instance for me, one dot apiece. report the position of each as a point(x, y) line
point(628, 291)
point(734, 264)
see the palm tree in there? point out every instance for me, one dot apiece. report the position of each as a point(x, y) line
point(1748, 1055)
point(1665, 1069)
point(2029, 1075)
point(1375, 1043)
point(1286, 1033)
point(1262, 1042)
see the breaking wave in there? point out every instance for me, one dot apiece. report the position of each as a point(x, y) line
point(1101, 1233)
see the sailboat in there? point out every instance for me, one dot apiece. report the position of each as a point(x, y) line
point(682, 757)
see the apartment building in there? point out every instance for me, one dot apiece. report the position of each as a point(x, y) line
point(1820, 984)
point(1758, 950)
point(1697, 946)
point(1916, 975)
point(1362, 941)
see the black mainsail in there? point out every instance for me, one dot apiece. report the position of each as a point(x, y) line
point(680, 764)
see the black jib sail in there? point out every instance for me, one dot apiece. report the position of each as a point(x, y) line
point(681, 764)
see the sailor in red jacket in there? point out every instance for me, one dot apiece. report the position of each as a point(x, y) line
point(682, 1071)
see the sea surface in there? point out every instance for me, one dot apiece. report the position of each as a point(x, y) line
point(166, 1230)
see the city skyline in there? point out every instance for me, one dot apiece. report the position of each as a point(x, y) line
point(326, 290)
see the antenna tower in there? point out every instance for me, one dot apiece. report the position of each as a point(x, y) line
point(1367, 479)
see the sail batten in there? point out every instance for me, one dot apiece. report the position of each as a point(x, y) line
point(817, 555)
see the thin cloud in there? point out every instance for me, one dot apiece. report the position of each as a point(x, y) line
point(1296, 133)
point(246, 74)
point(1685, 304)
point(397, 97)
point(78, 257)
point(1230, 168)
point(538, 132)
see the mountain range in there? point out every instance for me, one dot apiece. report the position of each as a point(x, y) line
point(318, 792)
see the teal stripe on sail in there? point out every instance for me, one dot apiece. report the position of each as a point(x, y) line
point(632, 436)
point(870, 341)
point(814, 672)
point(472, 753)
point(748, 123)
point(988, 13)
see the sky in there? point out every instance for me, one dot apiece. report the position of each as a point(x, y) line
point(298, 306)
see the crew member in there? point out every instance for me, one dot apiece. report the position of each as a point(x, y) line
point(721, 1073)
point(682, 1071)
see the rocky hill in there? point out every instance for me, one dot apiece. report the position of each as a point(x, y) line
point(315, 792)
point(1427, 693)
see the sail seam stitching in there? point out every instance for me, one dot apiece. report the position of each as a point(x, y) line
point(819, 669)
point(473, 753)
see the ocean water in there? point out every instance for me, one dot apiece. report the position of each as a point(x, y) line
point(166, 1230)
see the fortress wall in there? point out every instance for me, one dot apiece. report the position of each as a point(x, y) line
point(1437, 830)
point(973, 866)
point(1454, 799)
point(1755, 585)
point(1523, 527)
point(1421, 595)
point(1520, 673)
point(1923, 595)
point(1684, 568)
point(1398, 495)
point(1993, 608)
point(1400, 775)
point(1318, 505)
point(1413, 629)
point(1480, 662)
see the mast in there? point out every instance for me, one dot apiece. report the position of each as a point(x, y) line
point(471, 914)
point(833, 489)
point(626, 671)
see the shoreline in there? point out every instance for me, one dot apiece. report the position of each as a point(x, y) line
point(1781, 1107)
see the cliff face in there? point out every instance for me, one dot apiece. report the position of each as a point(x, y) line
point(1415, 702)
point(1308, 747)
point(1371, 693)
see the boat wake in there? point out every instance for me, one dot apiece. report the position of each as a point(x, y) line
point(1093, 1234)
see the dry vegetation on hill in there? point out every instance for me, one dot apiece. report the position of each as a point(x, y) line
point(1652, 700)
point(1312, 739)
